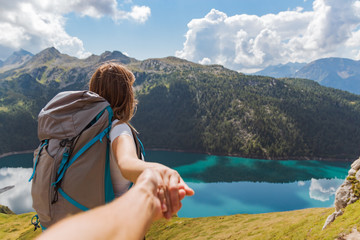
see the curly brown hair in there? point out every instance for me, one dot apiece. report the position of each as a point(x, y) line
point(114, 82)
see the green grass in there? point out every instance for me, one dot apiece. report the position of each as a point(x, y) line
point(14, 226)
point(300, 224)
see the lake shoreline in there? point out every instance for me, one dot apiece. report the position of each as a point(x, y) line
point(15, 153)
point(215, 154)
point(254, 157)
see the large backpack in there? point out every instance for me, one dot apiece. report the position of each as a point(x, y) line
point(71, 165)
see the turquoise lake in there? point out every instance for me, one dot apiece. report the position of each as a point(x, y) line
point(223, 185)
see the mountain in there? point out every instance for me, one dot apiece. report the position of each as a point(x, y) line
point(1, 63)
point(17, 59)
point(250, 116)
point(340, 73)
point(108, 56)
point(281, 70)
point(191, 107)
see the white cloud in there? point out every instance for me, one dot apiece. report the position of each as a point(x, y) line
point(205, 61)
point(38, 24)
point(323, 189)
point(244, 41)
point(138, 13)
point(301, 183)
point(18, 199)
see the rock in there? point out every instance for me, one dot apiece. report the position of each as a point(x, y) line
point(5, 210)
point(354, 235)
point(352, 172)
point(331, 218)
point(352, 199)
point(345, 194)
point(356, 165)
point(342, 196)
point(357, 175)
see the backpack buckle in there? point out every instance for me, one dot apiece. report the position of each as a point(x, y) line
point(35, 221)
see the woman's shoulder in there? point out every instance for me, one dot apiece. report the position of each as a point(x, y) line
point(118, 129)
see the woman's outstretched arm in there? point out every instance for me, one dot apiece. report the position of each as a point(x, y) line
point(130, 167)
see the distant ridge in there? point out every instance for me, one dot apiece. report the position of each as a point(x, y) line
point(18, 57)
point(15, 60)
point(281, 70)
point(50, 56)
point(340, 73)
point(107, 56)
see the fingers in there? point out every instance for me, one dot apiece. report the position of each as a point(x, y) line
point(162, 198)
point(174, 192)
point(170, 189)
point(182, 194)
point(151, 180)
point(178, 189)
point(189, 191)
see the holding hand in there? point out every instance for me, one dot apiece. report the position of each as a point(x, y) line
point(168, 186)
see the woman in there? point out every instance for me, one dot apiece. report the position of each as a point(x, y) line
point(115, 83)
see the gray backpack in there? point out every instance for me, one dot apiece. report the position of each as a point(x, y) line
point(71, 165)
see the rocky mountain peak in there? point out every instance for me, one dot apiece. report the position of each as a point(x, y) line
point(115, 55)
point(18, 58)
point(45, 56)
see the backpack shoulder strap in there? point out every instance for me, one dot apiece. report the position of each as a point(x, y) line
point(138, 144)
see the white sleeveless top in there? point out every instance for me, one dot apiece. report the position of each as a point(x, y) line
point(120, 184)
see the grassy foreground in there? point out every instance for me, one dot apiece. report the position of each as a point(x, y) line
point(14, 226)
point(300, 224)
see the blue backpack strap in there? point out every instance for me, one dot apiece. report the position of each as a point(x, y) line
point(66, 164)
point(109, 191)
point(63, 161)
point(72, 201)
point(42, 227)
point(142, 146)
point(46, 142)
point(110, 112)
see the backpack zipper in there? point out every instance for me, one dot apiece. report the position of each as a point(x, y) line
point(69, 145)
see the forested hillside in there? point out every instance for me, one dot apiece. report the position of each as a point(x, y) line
point(191, 107)
point(223, 112)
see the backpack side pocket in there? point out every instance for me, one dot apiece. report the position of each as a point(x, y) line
point(41, 190)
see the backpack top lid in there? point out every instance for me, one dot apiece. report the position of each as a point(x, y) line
point(68, 113)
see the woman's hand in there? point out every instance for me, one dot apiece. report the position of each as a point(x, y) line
point(172, 189)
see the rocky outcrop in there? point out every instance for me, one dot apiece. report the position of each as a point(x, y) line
point(6, 210)
point(347, 193)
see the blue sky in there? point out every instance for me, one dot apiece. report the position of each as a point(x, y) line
point(164, 32)
point(244, 35)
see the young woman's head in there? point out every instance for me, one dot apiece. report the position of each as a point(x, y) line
point(114, 83)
